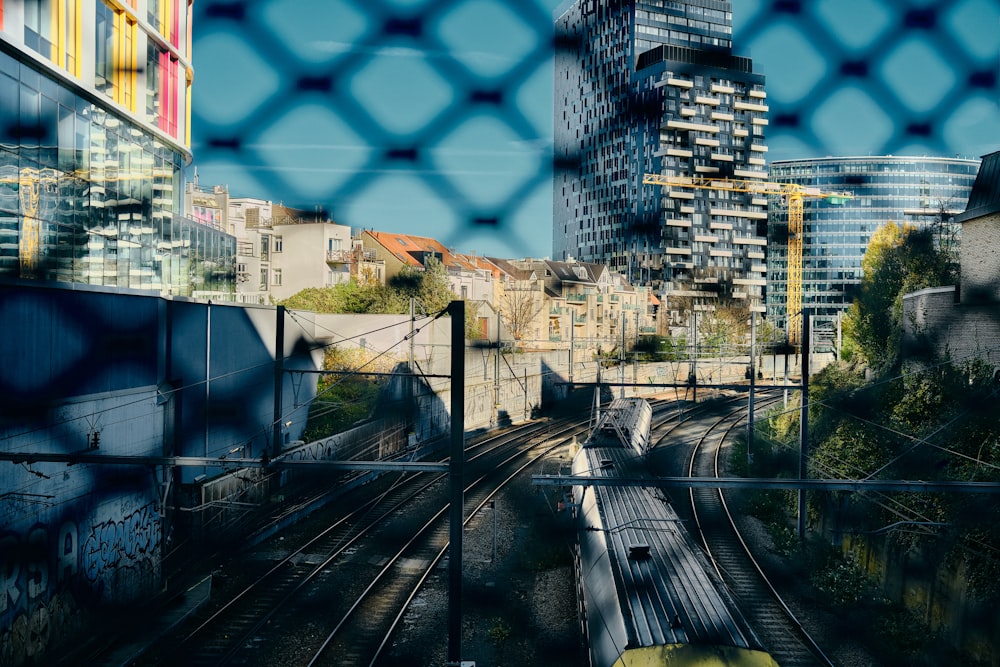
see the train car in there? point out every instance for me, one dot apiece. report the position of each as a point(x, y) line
point(625, 422)
point(648, 596)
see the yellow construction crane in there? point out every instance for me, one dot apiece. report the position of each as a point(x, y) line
point(793, 195)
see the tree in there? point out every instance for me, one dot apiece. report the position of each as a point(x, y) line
point(430, 287)
point(519, 306)
point(348, 297)
point(725, 327)
point(898, 260)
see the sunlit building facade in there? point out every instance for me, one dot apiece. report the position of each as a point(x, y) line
point(654, 87)
point(94, 133)
point(917, 191)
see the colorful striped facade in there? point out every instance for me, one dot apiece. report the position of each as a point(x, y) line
point(135, 52)
point(95, 119)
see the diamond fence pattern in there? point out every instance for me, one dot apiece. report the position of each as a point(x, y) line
point(397, 99)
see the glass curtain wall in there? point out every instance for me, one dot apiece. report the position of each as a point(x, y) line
point(88, 197)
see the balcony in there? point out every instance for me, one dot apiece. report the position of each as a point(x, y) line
point(339, 256)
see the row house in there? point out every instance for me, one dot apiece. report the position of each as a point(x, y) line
point(553, 304)
point(544, 304)
point(470, 278)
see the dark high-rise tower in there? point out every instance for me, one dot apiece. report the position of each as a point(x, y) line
point(653, 87)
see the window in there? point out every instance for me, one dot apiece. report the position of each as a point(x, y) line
point(154, 56)
point(153, 13)
point(263, 279)
point(104, 46)
point(276, 277)
point(278, 244)
point(38, 26)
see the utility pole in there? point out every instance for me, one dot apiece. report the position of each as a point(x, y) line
point(572, 347)
point(411, 384)
point(456, 310)
point(753, 377)
point(804, 422)
point(208, 370)
point(279, 371)
point(635, 351)
point(693, 377)
point(496, 376)
point(621, 358)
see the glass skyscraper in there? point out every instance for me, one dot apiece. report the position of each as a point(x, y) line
point(94, 132)
point(917, 191)
point(654, 87)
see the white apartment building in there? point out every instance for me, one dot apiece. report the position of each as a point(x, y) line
point(279, 250)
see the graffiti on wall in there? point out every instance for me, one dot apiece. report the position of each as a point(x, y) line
point(122, 548)
point(50, 571)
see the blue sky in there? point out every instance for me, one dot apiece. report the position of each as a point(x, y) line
point(368, 109)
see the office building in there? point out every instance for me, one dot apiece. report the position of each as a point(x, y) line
point(916, 191)
point(654, 87)
point(94, 132)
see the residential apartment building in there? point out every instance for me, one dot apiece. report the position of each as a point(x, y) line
point(917, 191)
point(94, 100)
point(469, 277)
point(555, 305)
point(654, 87)
point(279, 250)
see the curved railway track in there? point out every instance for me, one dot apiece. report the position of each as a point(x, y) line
point(338, 596)
point(716, 528)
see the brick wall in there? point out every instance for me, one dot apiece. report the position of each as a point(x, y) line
point(934, 322)
point(980, 260)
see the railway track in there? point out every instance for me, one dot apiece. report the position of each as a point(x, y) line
point(339, 597)
point(366, 628)
point(715, 526)
point(366, 564)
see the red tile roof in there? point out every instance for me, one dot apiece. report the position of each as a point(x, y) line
point(412, 249)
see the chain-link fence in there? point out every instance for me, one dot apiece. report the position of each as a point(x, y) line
point(435, 117)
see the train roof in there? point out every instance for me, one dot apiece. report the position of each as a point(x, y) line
point(664, 592)
point(619, 421)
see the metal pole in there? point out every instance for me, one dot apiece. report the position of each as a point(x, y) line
point(753, 377)
point(411, 384)
point(572, 347)
point(694, 354)
point(208, 369)
point(785, 393)
point(496, 376)
point(621, 358)
point(525, 393)
point(635, 351)
point(804, 421)
point(279, 371)
point(840, 332)
point(456, 309)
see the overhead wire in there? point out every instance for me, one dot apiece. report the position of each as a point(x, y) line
point(191, 385)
